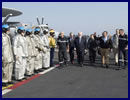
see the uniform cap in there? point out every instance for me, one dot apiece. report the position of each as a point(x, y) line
point(21, 28)
point(29, 30)
point(52, 31)
point(37, 30)
point(5, 26)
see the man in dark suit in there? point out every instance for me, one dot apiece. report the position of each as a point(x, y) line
point(71, 47)
point(80, 45)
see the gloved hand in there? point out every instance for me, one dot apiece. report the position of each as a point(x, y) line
point(39, 49)
point(17, 58)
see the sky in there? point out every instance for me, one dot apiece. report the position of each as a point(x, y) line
point(86, 17)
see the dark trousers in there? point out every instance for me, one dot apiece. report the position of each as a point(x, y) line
point(52, 50)
point(62, 56)
point(123, 54)
point(92, 55)
point(71, 53)
point(80, 56)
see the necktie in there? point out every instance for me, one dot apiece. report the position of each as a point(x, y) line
point(79, 40)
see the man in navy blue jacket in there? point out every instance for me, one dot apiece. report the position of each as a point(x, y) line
point(105, 47)
point(123, 50)
point(80, 45)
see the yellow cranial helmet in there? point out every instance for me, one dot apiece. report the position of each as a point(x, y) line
point(52, 31)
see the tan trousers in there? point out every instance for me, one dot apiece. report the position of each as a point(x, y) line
point(105, 56)
point(115, 51)
point(7, 69)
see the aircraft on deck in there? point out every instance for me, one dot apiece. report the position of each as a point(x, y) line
point(9, 12)
point(45, 26)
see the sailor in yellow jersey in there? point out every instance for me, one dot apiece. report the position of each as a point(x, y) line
point(52, 43)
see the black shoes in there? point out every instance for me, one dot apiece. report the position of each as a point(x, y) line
point(66, 64)
point(72, 62)
point(107, 66)
point(11, 82)
point(28, 75)
point(120, 67)
point(4, 84)
point(36, 71)
point(116, 64)
point(24, 78)
point(124, 67)
point(51, 65)
point(92, 64)
point(81, 65)
point(19, 80)
point(103, 66)
point(40, 70)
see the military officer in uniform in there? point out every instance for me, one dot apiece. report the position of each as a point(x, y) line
point(63, 47)
point(123, 50)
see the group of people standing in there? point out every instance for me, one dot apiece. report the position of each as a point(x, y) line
point(66, 45)
point(103, 45)
point(30, 52)
point(27, 54)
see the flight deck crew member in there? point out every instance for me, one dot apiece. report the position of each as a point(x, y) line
point(7, 57)
point(80, 45)
point(105, 47)
point(52, 43)
point(123, 49)
point(62, 44)
point(71, 47)
point(31, 53)
point(39, 49)
point(21, 54)
point(46, 54)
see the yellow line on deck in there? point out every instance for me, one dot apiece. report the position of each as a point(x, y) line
point(5, 87)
